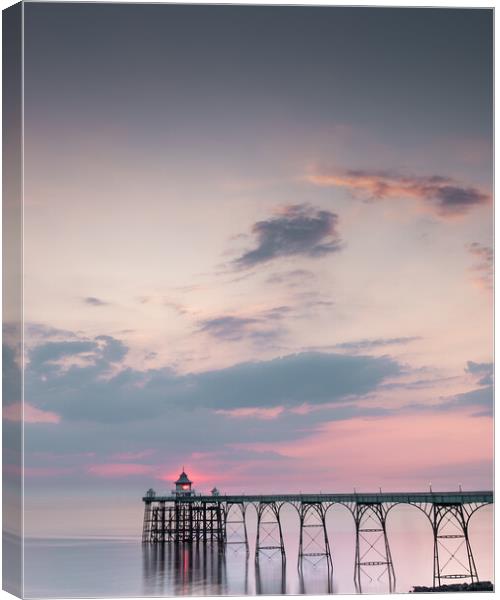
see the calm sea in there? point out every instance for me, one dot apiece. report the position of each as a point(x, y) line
point(124, 567)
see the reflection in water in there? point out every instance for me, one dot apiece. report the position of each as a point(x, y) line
point(270, 576)
point(184, 569)
point(316, 578)
point(204, 569)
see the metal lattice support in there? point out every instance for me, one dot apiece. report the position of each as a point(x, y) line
point(183, 522)
point(453, 558)
point(372, 545)
point(146, 528)
point(235, 530)
point(313, 542)
point(269, 533)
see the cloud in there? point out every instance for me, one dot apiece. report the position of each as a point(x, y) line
point(483, 370)
point(483, 269)
point(297, 230)
point(14, 412)
point(444, 196)
point(53, 351)
point(228, 327)
point(293, 278)
point(102, 350)
point(255, 413)
point(255, 402)
point(119, 469)
point(111, 349)
point(370, 344)
point(93, 391)
point(38, 330)
point(92, 301)
point(480, 399)
point(261, 326)
point(11, 376)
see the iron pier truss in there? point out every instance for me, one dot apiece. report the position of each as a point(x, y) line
point(222, 519)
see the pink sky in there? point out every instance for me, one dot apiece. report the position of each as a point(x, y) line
point(282, 282)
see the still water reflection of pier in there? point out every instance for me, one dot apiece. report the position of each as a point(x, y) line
point(185, 569)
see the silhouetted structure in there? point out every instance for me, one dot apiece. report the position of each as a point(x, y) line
point(185, 517)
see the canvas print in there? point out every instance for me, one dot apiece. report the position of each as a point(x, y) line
point(248, 299)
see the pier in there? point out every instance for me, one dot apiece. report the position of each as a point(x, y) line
point(185, 517)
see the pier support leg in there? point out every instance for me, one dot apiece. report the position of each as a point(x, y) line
point(146, 528)
point(269, 533)
point(373, 560)
point(453, 558)
point(313, 542)
point(235, 530)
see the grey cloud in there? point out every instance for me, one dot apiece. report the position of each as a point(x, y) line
point(261, 326)
point(11, 376)
point(292, 278)
point(92, 301)
point(443, 195)
point(483, 370)
point(295, 379)
point(228, 327)
point(52, 351)
point(298, 230)
point(40, 331)
point(98, 354)
point(278, 312)
point(453, 199)
point(165, 410)
point(87, 392)
point(369, 344)
point(482, 399)
point(310, 300)
point(112, 350)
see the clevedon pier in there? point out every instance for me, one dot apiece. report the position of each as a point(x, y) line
point(185, 517)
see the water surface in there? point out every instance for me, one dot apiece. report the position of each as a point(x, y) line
point(125, 567)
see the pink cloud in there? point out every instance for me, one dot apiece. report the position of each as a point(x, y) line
point(483, 268)
point(14, 412)
point(441, 195)
point(119, 469)
point(265, 414)
point(197, 474)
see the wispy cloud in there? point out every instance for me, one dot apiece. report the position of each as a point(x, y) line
point(292, 278)
point(229, 328)
point(483, 268)
point(370, 344)
point(93, 301)
point(444, 196)
point(296, 230)
point(265, 414)
point(119, 469)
